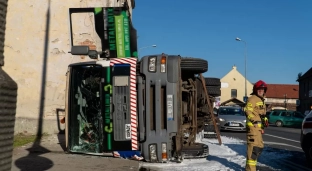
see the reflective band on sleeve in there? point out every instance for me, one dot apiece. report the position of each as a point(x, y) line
point(250, 116)
point(249, 109)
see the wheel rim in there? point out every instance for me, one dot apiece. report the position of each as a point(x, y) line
point(278, 123)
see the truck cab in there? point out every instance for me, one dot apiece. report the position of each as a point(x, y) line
point(122, 103)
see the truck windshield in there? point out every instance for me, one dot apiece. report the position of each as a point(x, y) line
point(84, 110)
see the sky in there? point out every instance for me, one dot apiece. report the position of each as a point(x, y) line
point(278, 35)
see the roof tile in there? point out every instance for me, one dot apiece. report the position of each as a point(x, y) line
point(279, 91)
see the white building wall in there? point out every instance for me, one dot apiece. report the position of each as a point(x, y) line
point(24, 53)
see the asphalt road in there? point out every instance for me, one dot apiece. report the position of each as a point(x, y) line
point(282, 138)
point(281, 141)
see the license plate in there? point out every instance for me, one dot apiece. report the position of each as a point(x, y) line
point(234, 124)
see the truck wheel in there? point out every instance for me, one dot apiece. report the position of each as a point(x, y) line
point(213, 90)
point(212, 81)
point(194, 65)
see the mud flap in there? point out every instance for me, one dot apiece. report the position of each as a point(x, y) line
point(197, 150)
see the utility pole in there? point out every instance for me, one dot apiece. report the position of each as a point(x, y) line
point(285, 101)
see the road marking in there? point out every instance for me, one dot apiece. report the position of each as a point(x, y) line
point(276, 143)
point(282, 138)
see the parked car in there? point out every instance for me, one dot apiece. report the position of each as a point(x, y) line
point(232, 118)
point(285, 118)
point(306, 138)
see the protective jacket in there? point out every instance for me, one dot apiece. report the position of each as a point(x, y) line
point(254, 109)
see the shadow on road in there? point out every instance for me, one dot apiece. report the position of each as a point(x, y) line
point(225, 162)
point(33, 161)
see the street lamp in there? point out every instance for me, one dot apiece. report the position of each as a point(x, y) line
point(147, 47)
point(238, 39)
point(144, 48)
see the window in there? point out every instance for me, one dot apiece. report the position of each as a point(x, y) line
point(275, 113)
point(233, 93)
point(286, 114)
point(298, 115)
point(231, 111)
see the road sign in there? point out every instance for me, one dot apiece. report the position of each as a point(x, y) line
point(245, 98)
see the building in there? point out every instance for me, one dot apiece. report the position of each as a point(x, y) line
point(36, 49)
point(305, 91)
point(282, 96)
point(233, 87)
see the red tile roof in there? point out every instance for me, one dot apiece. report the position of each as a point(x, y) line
point(279, 91)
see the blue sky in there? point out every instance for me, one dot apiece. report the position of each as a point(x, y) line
point(278, 34)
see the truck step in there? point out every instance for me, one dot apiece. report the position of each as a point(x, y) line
point(197, 150)
point(210, 135)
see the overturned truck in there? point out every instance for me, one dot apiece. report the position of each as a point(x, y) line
point(120, 103)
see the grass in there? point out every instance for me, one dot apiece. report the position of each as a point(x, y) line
point(23, 139)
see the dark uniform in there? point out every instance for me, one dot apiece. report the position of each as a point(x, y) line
point(255, 121)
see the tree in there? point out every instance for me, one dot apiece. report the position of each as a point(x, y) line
point(299, 76)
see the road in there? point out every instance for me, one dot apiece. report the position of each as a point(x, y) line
point(280, 141)
point(276, 137)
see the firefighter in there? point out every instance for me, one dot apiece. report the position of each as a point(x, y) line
point(255, 122)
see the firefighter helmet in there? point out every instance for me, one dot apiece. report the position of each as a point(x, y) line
point(259, 84)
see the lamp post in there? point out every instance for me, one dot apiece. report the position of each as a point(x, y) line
point(145, 48)
point(285, 101)
point(238, 39)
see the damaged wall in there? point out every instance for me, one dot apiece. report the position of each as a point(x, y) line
point(24, 48)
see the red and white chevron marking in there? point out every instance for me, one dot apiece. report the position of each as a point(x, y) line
point(133, 96)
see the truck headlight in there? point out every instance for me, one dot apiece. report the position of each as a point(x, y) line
point(220, 119)
point(164, 151)
point(152, 64)
point(163, 64)
point(244, 120)
point(153, 152)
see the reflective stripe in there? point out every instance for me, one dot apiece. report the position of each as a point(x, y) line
point(250, 116)
point(249, 108)
point(259, 104)
point(251, 162)
point(259, 124)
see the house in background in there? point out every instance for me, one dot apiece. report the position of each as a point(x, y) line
point(305, 91)
point(282, 95)
point(233, 88)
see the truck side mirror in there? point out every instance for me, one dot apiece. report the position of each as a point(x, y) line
point(79, 50)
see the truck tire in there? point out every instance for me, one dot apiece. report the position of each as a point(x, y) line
point(213, 90)
point(194, 65)
point(212, 81)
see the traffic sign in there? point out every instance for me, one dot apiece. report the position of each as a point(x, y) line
point(245, 98)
